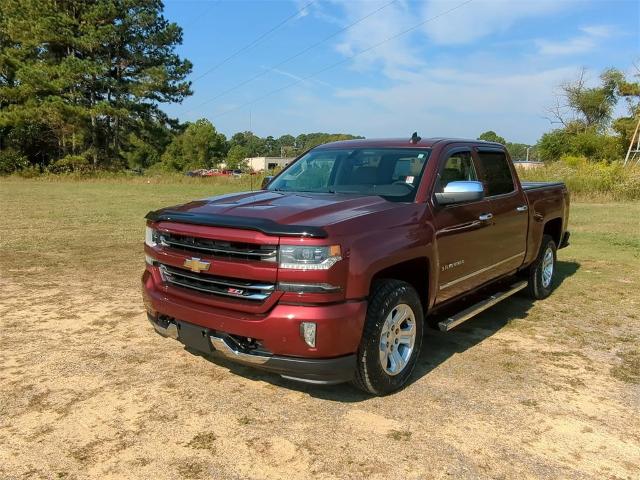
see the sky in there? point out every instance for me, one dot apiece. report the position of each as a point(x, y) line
point(388, 68)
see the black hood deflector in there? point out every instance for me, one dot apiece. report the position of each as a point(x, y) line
point(264, 225)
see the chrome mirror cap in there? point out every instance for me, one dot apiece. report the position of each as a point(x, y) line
point(461, 192)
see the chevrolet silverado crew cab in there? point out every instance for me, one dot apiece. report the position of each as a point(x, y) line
point(331, 271)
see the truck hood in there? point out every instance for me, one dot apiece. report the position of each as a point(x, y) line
point(279, 213)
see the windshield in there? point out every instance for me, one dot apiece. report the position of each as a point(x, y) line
point(393, 173)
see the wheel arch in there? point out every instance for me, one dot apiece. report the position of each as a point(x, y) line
point(553, 228)
point(415, 272)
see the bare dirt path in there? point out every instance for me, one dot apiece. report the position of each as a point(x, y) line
point(88, 390)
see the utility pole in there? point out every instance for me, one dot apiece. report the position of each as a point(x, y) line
point(528, 153)
point(250, 120)
point(634, 150)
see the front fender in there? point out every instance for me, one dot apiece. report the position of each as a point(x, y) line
point(371, 253)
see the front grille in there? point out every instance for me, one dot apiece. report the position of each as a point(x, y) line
point(218, 248)
point(209, 284)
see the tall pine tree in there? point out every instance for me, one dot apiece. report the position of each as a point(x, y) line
point(88, 76)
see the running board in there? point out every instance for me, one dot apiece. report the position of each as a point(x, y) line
point(481, 306)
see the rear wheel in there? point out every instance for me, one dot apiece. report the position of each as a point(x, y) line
point(542, 271)
point(391, 339)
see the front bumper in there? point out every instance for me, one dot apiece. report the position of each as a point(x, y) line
point(338, 332)
point(209, 342)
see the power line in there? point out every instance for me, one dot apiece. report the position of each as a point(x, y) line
point(254, 42)
point(333, 65)
point(288, 59)
point(198, 17)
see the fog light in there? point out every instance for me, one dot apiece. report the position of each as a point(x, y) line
point(308, 333)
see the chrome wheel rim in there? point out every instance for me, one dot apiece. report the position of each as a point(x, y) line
point(547, 267)
point(397, 339)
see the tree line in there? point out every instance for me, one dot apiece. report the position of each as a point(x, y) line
point(82, 83)
point(584, 119)
point(199, 145)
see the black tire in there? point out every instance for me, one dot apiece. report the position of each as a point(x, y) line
point(538, 287)
point(386, 295)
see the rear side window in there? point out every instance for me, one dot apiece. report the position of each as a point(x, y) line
point(497, 178)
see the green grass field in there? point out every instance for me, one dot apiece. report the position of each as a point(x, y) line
point(83, 227)
point(549, 389)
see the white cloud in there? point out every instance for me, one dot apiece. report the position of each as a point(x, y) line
point(585, 42)
point(318, 10)
point(598, 30)
point(377, 31)
point(295, 77)
point(481, 18)
point(446, 22)
point(436, 102)
point(443, 95)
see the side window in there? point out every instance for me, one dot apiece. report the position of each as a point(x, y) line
point(458, 167)
point(497, 174)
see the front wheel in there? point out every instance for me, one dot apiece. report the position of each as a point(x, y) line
point(391, 339)
point(543, 269)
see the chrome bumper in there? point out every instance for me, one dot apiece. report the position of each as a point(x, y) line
point(170, 332)
point(311, 370)
point(220, 344)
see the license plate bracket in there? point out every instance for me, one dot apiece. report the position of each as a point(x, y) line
point(194, 337)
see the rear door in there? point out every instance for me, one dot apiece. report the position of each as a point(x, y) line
point(464, 241)
point(508, 205)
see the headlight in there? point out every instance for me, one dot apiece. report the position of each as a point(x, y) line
point(150, 236)
point(308, 257)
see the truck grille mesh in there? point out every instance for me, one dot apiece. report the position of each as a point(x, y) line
point(209, 284)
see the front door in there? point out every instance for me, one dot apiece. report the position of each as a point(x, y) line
point(463, 235)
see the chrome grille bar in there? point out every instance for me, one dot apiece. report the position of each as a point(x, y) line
point(216, 285)
point(218, 248)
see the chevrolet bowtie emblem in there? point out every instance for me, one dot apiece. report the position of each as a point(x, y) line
point(196, 265)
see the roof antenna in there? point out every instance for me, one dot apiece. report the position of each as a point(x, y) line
point(415, 138)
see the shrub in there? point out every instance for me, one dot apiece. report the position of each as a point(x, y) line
point(590, 179)
point(579, 143)
point(70, 164)
point(553, 145)
point(11, 161)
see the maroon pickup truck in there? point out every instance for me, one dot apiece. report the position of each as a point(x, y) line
point(331, 272)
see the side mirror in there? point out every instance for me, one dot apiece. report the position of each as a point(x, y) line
point(265, 182)
point(461, 192)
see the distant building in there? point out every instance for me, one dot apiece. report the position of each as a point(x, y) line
point(527, 165)
point(261, 164)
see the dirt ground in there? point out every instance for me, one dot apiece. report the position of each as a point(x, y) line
point(544, 390)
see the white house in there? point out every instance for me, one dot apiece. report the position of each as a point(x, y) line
point(261, 164)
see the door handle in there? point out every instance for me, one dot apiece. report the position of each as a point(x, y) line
point(522, 208)
point(485, 216)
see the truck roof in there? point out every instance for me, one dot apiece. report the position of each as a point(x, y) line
point(402, 142)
